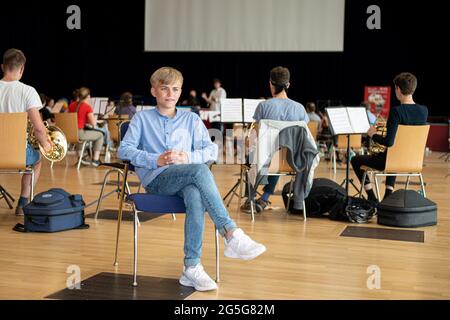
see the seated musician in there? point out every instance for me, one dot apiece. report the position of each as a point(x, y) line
point(280, 108)
point(86, 126)
point(407, 113)
point(169, 149)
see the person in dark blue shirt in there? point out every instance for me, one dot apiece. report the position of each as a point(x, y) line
point(407, 113)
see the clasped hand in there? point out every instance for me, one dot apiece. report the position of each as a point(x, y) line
point(172, 157)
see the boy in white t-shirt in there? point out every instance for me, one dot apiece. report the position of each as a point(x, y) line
point(17, 97)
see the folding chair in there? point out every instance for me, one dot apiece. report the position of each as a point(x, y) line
point(156, 204)
point(13, 144)
point(404, 158)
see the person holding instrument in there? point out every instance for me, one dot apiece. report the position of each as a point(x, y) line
point(17, 97)
point(407, 113)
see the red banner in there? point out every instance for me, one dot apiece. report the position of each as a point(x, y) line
point(379, 99)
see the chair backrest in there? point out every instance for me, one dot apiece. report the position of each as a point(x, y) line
point(68, 123)
point(314, 128)
point(406, 155)
point(123, 129)
point(355, 141)
point(114, 125)
point(13, 141)
point(279, 163)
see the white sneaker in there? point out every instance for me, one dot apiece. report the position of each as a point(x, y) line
point(241, 246)
point(197, 277)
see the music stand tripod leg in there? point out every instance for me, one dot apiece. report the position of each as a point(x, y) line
point(8, 198)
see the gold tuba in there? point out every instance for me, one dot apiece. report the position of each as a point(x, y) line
point(56, 136)
point(375, 148)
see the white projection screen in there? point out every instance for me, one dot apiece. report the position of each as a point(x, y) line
point(244, 25)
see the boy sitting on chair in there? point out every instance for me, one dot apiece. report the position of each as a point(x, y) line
point(169, 149)
point(407, 113)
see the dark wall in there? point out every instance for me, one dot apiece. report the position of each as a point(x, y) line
point(108, 56)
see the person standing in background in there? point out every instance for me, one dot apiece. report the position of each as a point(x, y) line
point(213, 101)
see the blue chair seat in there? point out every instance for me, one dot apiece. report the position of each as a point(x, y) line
point(157, 204)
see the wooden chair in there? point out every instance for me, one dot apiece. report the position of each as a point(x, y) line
point(68, 123)
point(313, 127)
point(13, 144)
point(113, 127)
point(404, 158)
point(355, 144)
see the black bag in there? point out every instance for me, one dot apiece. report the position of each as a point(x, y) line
point(52, 211)
point(324, 194)
point(353, 209)
point(407, 208)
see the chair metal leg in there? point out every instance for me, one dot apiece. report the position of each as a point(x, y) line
point(250, 198)
point(32, 185)
point(304, 210)
point(174, 217)
point(362, 184)
point(422, 185)
point(377, 187)
point(241, 179)
point(51, 165)
point(334, 155)
point(81, 156)
point(101, 197)
point(119, 218)
point(290, 195)
point(407, 182)
point(135, 249)
point(217, 237)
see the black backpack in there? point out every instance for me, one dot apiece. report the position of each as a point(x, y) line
point(324, 194)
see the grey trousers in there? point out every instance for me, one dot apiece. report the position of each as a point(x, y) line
point(91, 135)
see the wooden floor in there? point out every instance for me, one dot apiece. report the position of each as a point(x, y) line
point(303, 260)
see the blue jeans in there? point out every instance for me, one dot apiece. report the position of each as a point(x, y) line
point(269, 187)
point(32, 156)
point(195, 184)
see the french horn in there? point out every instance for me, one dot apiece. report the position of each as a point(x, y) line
point(376, 148)
point(56, 136)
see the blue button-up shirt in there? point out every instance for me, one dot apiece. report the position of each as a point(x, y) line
point(150, 134)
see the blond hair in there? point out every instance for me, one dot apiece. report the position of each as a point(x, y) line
point(83, 93)
point(166, 75)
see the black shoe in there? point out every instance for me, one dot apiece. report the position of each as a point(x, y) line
point(96, 163)
point(247, 209)
point(261, 204)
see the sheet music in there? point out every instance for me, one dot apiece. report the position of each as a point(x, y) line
point(250, 106)
point(95, 104)
point(92, 102)
point(358, 119)
point(339, 120)
point(231, 110)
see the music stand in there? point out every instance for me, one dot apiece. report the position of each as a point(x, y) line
point(5, 195)
point(348, 121)
point(244, 116)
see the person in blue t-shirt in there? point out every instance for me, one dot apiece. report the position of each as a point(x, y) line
point(280, 108)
